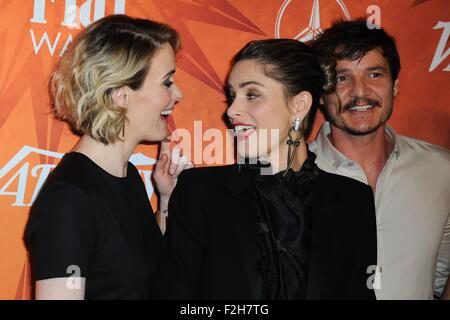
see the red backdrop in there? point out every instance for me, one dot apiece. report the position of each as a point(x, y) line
point(34, 33)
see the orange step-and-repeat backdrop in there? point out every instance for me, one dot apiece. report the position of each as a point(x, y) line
point(35, 33)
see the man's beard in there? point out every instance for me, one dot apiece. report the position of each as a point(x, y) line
point(356, 132)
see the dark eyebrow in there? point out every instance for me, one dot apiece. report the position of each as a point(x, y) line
point(247, 83)
point(341, 70)
point(377, 68)
point(374, 68)
point(170, 73)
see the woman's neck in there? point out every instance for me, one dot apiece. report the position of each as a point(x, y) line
point(278, 157)
point(113, 157)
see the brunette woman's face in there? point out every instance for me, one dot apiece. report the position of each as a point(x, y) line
point(258, 111)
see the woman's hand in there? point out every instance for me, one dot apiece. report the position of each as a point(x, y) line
point(167, 169)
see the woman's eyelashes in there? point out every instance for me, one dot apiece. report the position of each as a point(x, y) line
point(168, 83)
point(252, 95)
point(249, 96)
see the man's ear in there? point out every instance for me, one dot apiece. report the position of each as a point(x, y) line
point(120, 97)
point(301, 103)
point(396, 84)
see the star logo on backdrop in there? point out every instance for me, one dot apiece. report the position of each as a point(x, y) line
point(313, 29)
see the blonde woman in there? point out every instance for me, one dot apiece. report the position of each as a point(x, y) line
point(91, 232)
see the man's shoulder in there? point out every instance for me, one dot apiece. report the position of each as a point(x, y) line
point(422, 150)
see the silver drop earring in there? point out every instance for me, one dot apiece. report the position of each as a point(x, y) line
point(295, 134)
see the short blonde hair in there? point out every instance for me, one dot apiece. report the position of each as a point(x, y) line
point(111, 53)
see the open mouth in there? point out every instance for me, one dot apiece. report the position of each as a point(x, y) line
point(242, 129)
point(361, 105)
point(361, 108)
point(166, 113)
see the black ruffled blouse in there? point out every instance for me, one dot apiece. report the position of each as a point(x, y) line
point(284, 204)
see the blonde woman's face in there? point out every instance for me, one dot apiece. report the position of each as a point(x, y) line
point(151, 105)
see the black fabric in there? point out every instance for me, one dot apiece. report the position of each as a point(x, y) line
point(210, 247)
point(284, 208)
point(102, 224)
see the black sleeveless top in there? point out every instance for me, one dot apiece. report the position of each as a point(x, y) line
point(86, 222)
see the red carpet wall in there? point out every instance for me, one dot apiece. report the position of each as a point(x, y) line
point(35, 33)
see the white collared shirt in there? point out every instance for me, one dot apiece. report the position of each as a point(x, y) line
point(412, 201)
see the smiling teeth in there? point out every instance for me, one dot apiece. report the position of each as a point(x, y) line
point(361, 108)
point(166, 112)
point(243, 128)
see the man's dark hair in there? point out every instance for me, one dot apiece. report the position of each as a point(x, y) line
point(351, 40)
